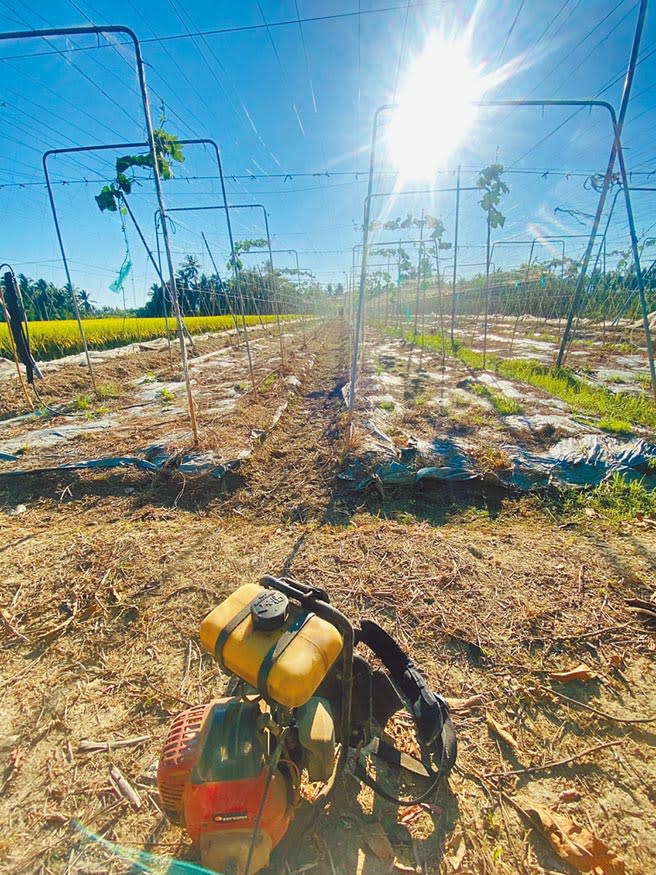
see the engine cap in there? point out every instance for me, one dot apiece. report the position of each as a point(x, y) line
point(269, 610)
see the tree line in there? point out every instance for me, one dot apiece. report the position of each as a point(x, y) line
point(256, 290)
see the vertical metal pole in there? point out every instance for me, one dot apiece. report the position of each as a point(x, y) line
point(419, 272)
point(156, 264)
point(218, 276)
point(638, 271)
point(69, 281)
point(274, 285)
point(440, 301)
point(526, 279)
point(363, 267)
point(487, 289)
point(300, 296)
point(455, 254)
point(618, 125)
point(165, 234)
point(235, 269)
point(398, 288)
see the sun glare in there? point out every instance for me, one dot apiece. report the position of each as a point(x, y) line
point(436, 108)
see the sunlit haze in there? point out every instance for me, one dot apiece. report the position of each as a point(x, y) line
point(436, 108)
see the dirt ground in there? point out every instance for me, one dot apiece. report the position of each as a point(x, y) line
point(106, 578)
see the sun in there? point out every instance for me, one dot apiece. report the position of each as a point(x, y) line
point(436, 108)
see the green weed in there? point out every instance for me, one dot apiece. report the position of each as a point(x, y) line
point(624, 347)
point(166, 395)
point(615, 499)
point(268, 383)
point(81, 402)
point(503, 405)
point(387, 405)
point(580, 395)
point(560, 382)
point(617, 426)
point(105, 391)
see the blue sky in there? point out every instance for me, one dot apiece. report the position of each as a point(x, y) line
point(299, 99)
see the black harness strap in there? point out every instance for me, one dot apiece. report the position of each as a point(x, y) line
point(430, 712)
point(278, 649)
point(227, 631)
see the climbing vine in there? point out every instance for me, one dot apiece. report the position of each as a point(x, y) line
point(168, 151)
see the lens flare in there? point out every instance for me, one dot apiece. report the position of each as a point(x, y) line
point(436, 108)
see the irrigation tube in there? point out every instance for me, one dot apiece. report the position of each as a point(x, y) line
point(89, 30)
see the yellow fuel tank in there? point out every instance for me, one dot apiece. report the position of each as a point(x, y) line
point(286, 671)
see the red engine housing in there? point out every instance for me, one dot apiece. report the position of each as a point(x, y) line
point(212, 776)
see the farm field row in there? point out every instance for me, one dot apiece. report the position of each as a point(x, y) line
point(58, 338)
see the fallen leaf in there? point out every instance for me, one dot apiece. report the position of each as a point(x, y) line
point(503, 734)
point(570, 796)
point(615, 660)
point(465, 704)
point(376, 840)
point(575, 844)
point(582, 672)
point(456, 859)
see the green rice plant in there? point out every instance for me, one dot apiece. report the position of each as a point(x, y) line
point(61, 337)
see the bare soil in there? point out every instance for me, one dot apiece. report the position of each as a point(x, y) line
point(105, 580)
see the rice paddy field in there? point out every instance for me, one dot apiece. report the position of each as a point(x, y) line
point(57, 338)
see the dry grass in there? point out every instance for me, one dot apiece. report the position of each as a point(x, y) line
point(105, 580)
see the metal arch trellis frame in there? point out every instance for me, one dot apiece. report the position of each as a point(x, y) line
point(542, 239)
point(294, 252)
point(365, 247)
point(457, 189)
point(648, 188)
point(616, 152)
point(95, 30)
point(115, 147)
point(227, 208)
point(398, 244)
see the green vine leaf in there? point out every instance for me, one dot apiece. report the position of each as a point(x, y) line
point(167, 151)
point(106, 200)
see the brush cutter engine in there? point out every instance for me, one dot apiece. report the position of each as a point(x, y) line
point(235, 772)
